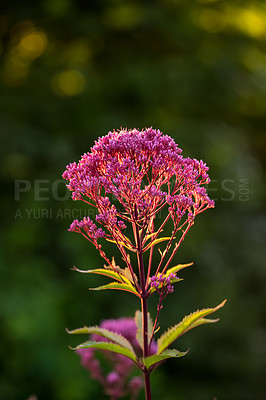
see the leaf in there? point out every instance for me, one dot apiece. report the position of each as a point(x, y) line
point(116, 348)
point(119, 286)
point(189, 322)
point(177, 268)
point(153, 243)
point(175, 280)
point(157, 358)
point(102, 271)
point(149, 236)
point(202, 321)
point(113, 336)
point(128, 245)
point(138, 321)
point(121, 275)
point(124, 271)
point(126, 274)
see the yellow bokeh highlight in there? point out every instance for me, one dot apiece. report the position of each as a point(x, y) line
point(15, 69)
point(26, 44)
point(251, 21)
point(211, 20)
point(68, 83)
point(14, 74)
point(32, 44)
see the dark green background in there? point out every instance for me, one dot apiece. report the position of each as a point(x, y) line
point(70, 72)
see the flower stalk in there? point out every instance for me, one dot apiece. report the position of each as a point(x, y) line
point(144, 307)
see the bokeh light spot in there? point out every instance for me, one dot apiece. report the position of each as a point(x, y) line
point(26, 44)
point(32, 44)
point(68, 83)
point(15, 70)
point(252, 21)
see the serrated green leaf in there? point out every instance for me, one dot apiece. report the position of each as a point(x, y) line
point(154, 242)
point(186, 324)
point(138, 321)
point(177, 268)
point(102, 271)
point(113, 336)
point(118, 286)
point(202, 321)
point(115, 348)
point(157, 358)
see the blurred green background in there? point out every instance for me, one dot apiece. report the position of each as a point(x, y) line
point(70, 72)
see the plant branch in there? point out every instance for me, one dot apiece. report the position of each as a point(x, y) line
point(177, 246)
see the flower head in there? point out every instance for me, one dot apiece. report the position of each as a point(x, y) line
point(129, 176)
point(143, 170)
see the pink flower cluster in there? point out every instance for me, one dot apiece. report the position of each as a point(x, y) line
point(88, 226)
point(119, 381)
point(144, 171)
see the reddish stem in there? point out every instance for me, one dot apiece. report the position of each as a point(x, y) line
point(144, 307)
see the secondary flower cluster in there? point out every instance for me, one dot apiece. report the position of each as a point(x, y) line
point(163, 284)
point(89, 228)
point(119, 381)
